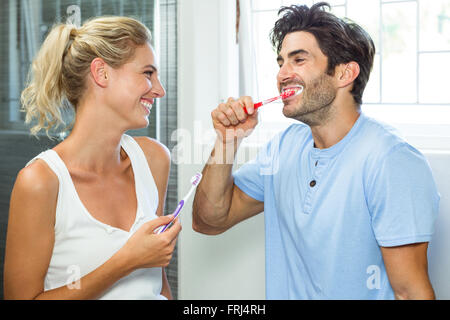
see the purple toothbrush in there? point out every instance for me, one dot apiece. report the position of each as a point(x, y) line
point(195, 180)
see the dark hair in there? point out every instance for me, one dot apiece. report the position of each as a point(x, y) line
point(340, 40)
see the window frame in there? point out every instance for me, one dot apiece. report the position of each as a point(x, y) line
point(423, 135)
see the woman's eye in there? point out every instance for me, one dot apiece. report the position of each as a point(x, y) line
point(148, 73)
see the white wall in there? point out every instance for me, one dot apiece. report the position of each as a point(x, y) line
point(231, 265)
point(439, 248)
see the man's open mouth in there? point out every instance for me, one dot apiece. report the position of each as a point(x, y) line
point(291, 91)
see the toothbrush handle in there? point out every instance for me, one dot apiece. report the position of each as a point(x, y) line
point(259, 104)
point(175, 215)
point(255, 106)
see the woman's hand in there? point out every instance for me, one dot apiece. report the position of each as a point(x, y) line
point(145, 249)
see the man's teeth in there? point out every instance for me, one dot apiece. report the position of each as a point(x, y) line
point(292, 89)
point(147, 105)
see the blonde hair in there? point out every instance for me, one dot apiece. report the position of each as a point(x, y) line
point(59, 70)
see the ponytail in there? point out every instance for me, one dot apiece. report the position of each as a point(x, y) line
point(59, 71)
point(43, 96)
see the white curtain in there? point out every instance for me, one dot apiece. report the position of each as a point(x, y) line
point(247, 60)
point(32, 12)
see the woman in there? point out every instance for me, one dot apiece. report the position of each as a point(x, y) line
point(83, 214)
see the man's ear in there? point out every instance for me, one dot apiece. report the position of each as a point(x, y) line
point(347, 73)
point(99, 72)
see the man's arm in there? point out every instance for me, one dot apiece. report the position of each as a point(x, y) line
point(218, 203)
point(407, 269)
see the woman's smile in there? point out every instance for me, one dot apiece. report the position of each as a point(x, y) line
point(147, 104)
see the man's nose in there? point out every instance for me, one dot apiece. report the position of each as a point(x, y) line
point(285, 73)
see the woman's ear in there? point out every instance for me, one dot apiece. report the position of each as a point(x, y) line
point(347, 72)
point(99, 72)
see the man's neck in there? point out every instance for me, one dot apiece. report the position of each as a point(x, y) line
point(334, 130)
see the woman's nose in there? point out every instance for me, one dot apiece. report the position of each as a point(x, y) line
point(158, 89)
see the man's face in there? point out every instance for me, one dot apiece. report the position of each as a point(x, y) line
point(302, 63)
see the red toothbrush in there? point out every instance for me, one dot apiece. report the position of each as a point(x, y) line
point(286, 94)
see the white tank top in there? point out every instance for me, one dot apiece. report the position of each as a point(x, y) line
point(83, 243)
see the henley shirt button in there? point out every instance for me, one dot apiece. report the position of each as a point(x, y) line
point(312, 183)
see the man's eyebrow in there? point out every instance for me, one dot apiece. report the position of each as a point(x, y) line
point(293, 53)
point(296, 52)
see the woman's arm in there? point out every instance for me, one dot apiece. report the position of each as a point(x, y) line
point(143, 250)
point(158, 159)
point(30, 240)
point(166, 291)
point(30, 234)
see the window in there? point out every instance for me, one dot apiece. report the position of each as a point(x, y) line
point(24, 24)
point(408, 86)
point(29, 23)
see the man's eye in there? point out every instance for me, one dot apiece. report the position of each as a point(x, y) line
point(298, 60)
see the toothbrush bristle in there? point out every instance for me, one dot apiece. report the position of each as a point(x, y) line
point(196, 179)
point(290, 92)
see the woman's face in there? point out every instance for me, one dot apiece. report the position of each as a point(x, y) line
point(133, 87)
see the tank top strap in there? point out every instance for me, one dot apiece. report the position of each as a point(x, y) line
point(53, 161)
point(144, 180)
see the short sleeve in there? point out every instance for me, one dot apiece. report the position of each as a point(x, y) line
point(403, 199)
point(251, 176)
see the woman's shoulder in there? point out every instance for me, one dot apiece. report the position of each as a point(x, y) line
point(153, 147)
point(37, 177)
point(157, 154)
point(35, 193)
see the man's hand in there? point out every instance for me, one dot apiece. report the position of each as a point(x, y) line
point(231, 122)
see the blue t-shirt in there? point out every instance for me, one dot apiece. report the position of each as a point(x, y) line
point(328, 211)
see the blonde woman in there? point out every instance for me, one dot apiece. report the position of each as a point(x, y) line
point(82, 214)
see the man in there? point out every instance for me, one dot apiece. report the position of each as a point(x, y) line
point(349, 206)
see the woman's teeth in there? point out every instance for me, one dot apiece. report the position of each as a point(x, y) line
point(147, 105)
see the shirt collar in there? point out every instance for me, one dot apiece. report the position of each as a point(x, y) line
point(338, 147)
